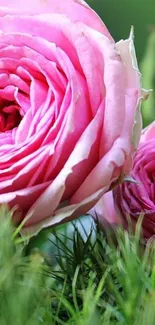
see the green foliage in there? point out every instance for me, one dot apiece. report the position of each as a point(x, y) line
point(148, 79)
point(92, 280)
point(105, 281)
point(22, 288)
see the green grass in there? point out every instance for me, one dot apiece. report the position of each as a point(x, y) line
point(93, 280)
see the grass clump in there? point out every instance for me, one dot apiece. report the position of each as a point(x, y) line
point(89, 279)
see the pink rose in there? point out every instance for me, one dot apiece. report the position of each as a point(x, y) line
point(135, 199)
point(70, 109)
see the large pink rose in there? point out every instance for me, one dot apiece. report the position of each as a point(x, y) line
point(70, 109)
point(135, 199)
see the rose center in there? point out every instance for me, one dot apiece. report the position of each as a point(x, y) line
point(9, 115)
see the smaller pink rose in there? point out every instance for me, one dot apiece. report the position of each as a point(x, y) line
point(137, 199)
point(134, 199)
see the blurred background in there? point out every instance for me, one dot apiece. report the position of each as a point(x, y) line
point(119, 15)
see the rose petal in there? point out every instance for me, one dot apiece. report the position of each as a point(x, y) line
point(74, 9)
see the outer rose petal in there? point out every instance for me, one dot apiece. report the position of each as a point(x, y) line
point(132, 124)
point(127, 51)
point(74, 9)
point(64, 214)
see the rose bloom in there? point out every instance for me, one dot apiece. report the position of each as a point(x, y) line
point(138, 199)
point(69, 110)
point(134, 198)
